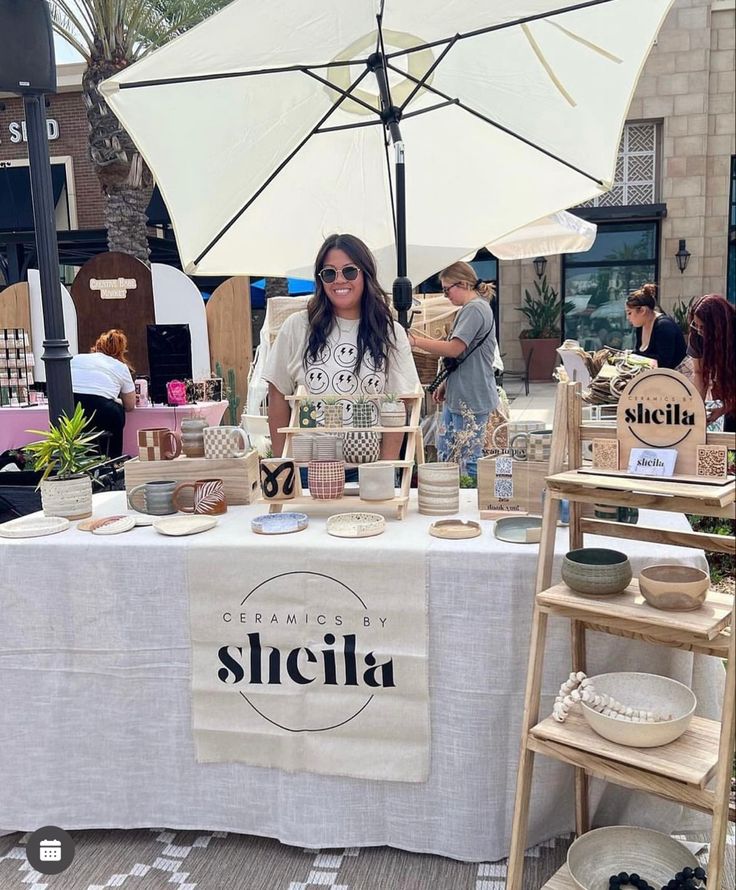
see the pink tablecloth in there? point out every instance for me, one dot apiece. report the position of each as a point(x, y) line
point(15, 422)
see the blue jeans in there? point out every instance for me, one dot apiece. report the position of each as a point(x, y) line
point(451, 444)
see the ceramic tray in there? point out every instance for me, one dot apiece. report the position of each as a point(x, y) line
point(33, 526)
point(519, 529)
point(114, 525)
point(184, 525)
point(279, 523)
point(356, 525)
point(454, 529)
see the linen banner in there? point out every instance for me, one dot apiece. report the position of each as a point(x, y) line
point(308, 661)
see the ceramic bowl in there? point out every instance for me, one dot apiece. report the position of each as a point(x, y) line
point(596, 571)
point(673, 587)
point(603, 852)
point(648, 692)
point(279, 523)
point(356, 525)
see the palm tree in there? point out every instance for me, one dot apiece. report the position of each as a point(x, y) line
point(110, 35)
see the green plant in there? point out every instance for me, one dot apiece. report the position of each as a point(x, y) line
point(543, 312)
point(233, 399)
point(331, 400)
point(390, 397)
point(680, 313)
point(67, 448)
point(468, 482)
point(360, 400)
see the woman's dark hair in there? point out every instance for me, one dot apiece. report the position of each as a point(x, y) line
point(717, 319)
point(645, 297)
point(376, 328)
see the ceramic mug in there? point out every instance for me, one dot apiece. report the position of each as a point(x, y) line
point(208, 497)
point(222, 442)
point(158, 443)
point(278, 479)
point(156, 498)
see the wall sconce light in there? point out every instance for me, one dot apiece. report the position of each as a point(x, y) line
point(540, 264)
point(682, 256)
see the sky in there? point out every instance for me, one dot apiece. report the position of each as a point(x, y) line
point(64, 52)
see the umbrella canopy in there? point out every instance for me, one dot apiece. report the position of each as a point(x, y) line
point(560, 232)
point(266, 131)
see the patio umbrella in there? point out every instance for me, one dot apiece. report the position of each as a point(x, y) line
point(270, 125)
point(560, 232)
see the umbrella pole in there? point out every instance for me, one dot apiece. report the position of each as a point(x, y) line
point(391, 115)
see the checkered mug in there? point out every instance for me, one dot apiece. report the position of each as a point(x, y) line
point(223, 441)
point(153, 444)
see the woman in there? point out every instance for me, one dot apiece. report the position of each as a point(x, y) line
point(657, 335)
point(469, 392)
point(346, 342)
point(711, 347)
point(103, 384)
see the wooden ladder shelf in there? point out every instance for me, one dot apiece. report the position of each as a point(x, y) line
point(695, 769)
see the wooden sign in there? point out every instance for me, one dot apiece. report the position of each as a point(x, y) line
point(114, 290)
point(661, 409)
point(231, 338)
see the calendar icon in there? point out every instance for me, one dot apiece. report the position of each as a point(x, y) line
point(50, 851)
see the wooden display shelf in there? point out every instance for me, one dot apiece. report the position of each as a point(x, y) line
point(312, 430)
point(381, 460)
point(691, 759)
point(344, 504)
point(561, 880)
point(630, 606)
point(686, 480)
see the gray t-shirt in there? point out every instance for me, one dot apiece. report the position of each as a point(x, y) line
point(473, 383)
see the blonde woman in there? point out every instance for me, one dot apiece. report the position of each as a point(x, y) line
point(469, 393)
point(103, 385)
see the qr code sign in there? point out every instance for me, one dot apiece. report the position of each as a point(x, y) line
point(504, 466)
point(503, 488)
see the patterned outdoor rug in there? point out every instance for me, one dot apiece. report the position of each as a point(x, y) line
point(159, 859)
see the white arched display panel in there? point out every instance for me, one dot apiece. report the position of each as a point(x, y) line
point(176, 300)
point(37, 327)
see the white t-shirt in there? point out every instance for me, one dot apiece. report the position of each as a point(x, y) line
point(97, 374)
point(333, 372)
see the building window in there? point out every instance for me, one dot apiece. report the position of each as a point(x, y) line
point(597, 282)
point(731, 275)
point(635, 180)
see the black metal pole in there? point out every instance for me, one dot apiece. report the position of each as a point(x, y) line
point(55, 345)
point(402, 289)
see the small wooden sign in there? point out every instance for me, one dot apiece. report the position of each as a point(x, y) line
point(661, 409)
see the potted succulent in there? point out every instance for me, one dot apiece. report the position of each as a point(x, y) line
point(540, 340)
point(65, 455)
point(332, 412)
point(362, 412)
point(307, 413)
point(393, 410)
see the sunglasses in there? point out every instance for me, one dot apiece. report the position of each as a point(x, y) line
point(329, 274)
point(446, 290)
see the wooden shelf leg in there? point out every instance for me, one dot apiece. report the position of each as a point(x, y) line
point(719, 825)
point(582, 798)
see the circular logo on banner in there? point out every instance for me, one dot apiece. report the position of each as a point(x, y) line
point(661, 409)
point(307, 668)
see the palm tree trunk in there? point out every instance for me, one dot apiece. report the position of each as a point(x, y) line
point(276, 287)
point(126, 181)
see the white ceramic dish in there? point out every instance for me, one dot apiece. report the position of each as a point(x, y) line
point(115, 526)
point(603, 852)
point(184, 525)
point(356, 525)
point(279, 523)
point(455, 529)
point(34, 526)
point(519, 529)
point(648, 692)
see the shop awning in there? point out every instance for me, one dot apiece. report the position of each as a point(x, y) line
point(16, 208)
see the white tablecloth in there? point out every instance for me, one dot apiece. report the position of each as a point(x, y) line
point(95, 723)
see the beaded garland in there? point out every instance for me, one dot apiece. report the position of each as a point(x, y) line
point(687, 879)
point(579, 688)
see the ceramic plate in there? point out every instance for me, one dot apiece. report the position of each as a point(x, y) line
point(34, 526)
point(88, 525)
point(184, 525)
point(519, 529)
point(114, 525)
point(356, 525)
point(454, 529)
point(279, 523)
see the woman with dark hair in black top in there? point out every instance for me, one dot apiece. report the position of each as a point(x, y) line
point(657, 335)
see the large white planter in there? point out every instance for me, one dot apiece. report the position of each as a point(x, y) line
point(393, 414)
point(71, 497)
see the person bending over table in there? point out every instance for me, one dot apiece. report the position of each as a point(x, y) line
point(657, 335)
point(345, 343)
point(711, 346)
point(471, 342)
point(102, 383)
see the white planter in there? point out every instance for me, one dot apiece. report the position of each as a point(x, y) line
point(376, 481)
point(438, 488)
point(71, 498)
point(393, 414)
